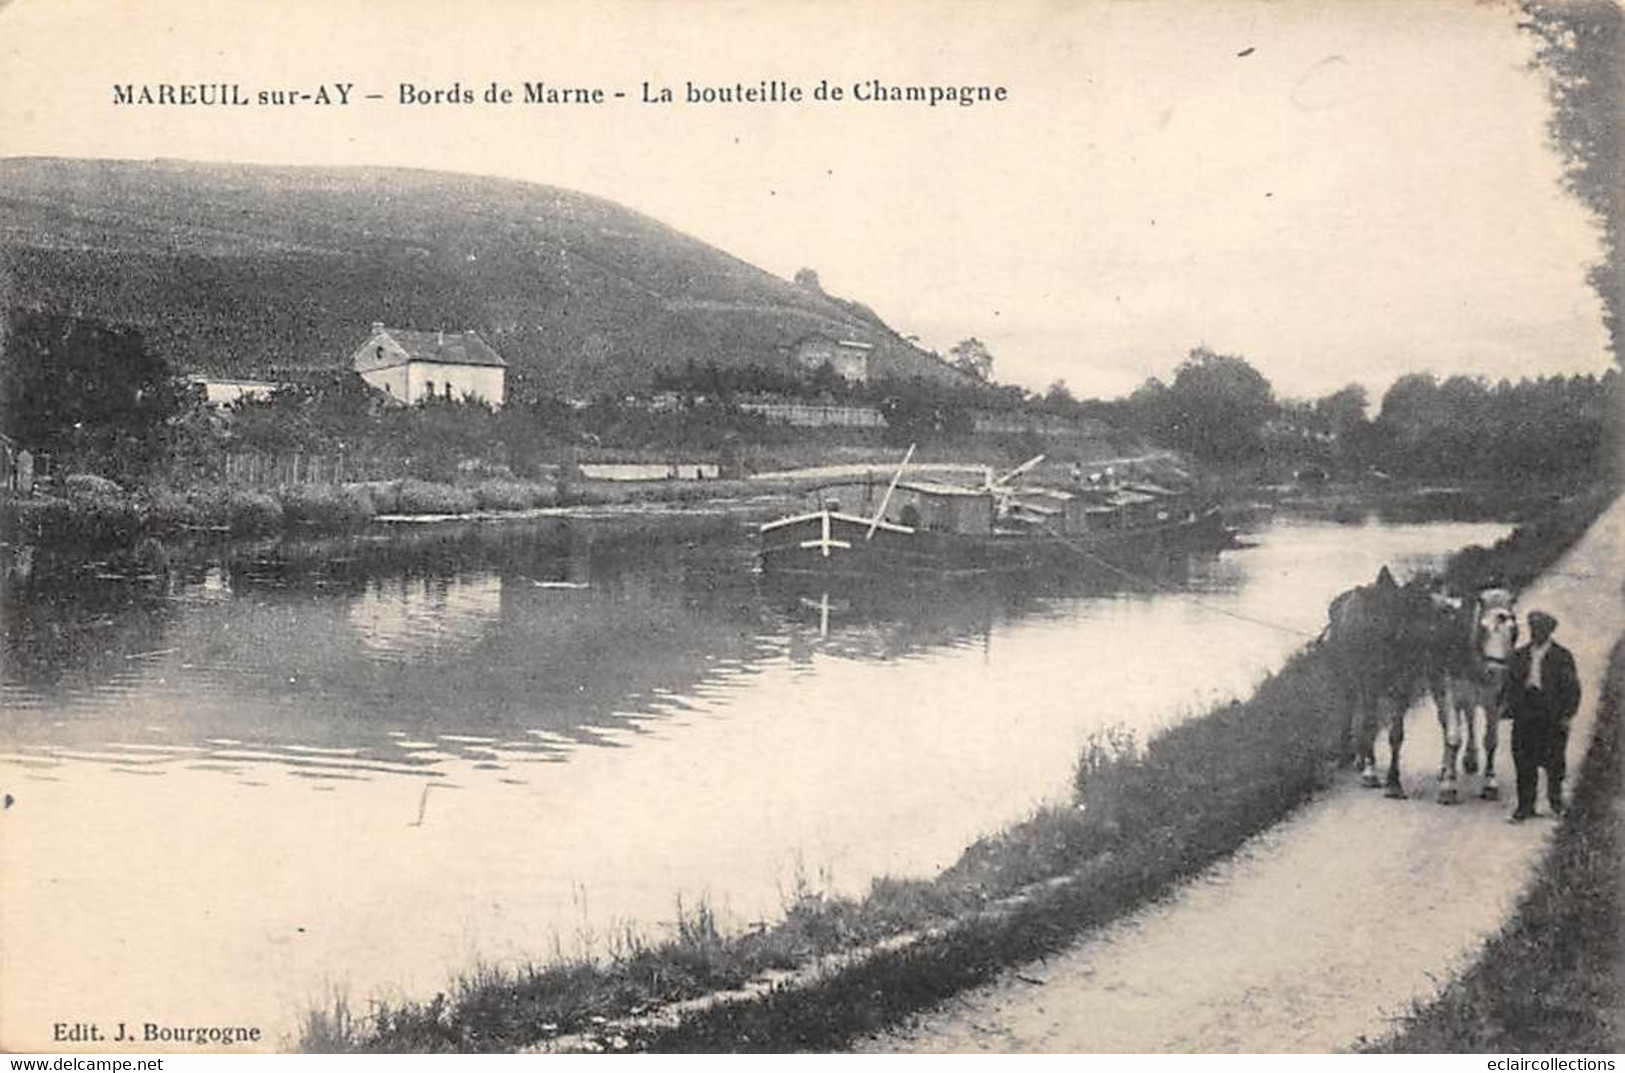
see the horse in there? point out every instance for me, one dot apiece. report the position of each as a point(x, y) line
point(1468, 674)
point(1374, 636)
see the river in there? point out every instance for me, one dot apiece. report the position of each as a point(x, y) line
point(253, 776)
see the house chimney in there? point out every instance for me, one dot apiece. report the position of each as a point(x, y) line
point(377, 326)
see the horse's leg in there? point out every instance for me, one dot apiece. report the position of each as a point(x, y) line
point(1367, 744)
point(1469, 703)
point(1446, 703)
point(1348, 742)
point(1493, 704)
point(1396, 741)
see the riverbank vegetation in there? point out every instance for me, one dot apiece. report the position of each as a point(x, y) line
point(95, 512)
point(1142, 817)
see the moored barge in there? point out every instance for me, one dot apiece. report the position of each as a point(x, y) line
point(909, 528)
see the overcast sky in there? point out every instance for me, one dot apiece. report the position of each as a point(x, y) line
point(1367, 191)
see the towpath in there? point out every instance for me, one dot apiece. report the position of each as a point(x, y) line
point(1327, 928)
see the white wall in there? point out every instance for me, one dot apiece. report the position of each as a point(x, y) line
point(481, 381)
point(226, 392)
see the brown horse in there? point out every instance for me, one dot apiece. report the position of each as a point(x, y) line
point(1380, 639)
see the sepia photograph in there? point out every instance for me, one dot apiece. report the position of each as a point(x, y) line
point(936, 527)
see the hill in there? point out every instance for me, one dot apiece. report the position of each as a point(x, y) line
point(243, 269)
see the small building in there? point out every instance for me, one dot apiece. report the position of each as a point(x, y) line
point(919, 504)
point(848, 357)
point(411, 366)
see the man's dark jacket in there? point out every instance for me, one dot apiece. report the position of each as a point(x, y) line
point(1559, 685)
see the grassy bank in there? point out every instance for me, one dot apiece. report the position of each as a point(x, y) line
point(98, 512)
point(1548, 981)
point(1141, 820)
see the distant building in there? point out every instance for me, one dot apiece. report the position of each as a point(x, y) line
point(412, 366)
point(848, 357)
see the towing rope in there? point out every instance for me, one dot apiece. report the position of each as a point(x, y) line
point(1145, 579)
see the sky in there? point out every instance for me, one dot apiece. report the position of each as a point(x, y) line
point(1338, 191)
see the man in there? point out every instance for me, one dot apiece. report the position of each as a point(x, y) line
point(1543, 693)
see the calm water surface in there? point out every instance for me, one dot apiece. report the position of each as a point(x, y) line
point(256, 775)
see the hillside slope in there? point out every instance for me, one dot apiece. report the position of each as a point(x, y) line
point(240, 269)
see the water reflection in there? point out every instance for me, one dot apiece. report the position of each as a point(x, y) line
point(409, 752)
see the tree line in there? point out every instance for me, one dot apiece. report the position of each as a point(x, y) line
point(95, 392)
point(1219, 408)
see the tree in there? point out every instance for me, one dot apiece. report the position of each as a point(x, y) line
point(1343, 411)
point(1579, 51)
point(1058, 399)
point(807, 279)
point(972, 356)
point(826, 381)
point(1217, 406)
point(71, 383)
point(919, 411)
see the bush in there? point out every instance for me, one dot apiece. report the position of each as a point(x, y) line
point(326, 505)
point(169, 509)
point(386, 495)
point(88, 484)
point(246, 511)
point(107, 517)
point(498, 494)
point(423, 497)
point(241, 510)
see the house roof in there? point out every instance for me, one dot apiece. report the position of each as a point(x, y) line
point(444, 348)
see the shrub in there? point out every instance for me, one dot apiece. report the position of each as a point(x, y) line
point(495, 493)
point(386, 495)
point(424, 497)
point(241, 510)
point(247, 511)
point(169, 509)
point(88, 484)
point(98, 516)
point(326, 505)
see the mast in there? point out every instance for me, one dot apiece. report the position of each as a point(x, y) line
point(874, 523)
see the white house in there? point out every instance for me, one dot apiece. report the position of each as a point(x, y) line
point(412, 366)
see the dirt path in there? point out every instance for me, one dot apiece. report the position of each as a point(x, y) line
point(1321, 931)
